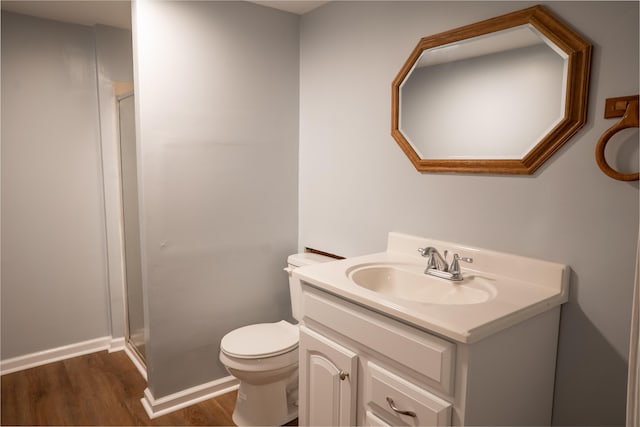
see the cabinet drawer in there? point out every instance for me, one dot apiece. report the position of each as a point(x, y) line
point(384, 389)
point(424, 353)
point(372, 420)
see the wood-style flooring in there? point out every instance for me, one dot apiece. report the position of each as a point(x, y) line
point(99, 389)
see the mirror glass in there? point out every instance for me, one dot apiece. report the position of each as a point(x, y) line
point(512, 76)
point(498, 96)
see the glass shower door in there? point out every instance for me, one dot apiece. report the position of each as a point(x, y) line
point(133, 269)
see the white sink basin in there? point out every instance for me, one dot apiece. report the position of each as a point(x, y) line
point(404, 282)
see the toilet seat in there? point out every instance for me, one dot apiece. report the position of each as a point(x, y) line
point(261, 340)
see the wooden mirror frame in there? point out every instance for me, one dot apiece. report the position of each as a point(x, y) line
point(575, 111)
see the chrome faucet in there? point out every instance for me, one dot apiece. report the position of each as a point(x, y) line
point(434, 259)
point(437, 264)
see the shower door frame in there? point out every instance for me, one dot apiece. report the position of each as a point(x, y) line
point(132, 349)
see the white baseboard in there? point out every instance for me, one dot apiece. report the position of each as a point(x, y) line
point(139, 363)
point(54, 355)
point(116, 344)
point(164, 405)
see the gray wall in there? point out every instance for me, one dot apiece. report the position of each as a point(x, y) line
point(54, 287)
point(114, 60)
point(217, 128)
point(356, 184)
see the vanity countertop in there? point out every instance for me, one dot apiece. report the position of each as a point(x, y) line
point(522, 288)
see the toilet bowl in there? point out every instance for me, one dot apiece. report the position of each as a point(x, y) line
point(264, 358)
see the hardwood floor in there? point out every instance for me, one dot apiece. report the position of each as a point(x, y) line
point(97, 389)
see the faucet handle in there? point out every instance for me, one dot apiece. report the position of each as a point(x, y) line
point(464, 258)
point(454, 268)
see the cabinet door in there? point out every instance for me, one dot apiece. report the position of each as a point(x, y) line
point(328, 382)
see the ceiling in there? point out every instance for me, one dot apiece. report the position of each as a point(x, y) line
point(117, 13)
point(112, 13)
point(299, 7)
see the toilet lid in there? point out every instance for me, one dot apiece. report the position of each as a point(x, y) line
point(260, 340)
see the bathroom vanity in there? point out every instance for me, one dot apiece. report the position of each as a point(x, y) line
point(382, 343)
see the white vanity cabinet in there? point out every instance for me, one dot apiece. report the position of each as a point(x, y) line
point(360, 367)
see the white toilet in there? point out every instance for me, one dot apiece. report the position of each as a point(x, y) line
point(264, 357)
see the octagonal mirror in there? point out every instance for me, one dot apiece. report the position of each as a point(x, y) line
point(499, 96)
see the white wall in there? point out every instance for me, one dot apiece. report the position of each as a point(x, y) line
point(54, 289)
point(217, 128)
point(356, 184)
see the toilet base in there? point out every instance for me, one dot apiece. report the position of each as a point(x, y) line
point(273, 404)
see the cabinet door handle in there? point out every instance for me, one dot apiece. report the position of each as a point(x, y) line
point(343, 375)
point(399, 411)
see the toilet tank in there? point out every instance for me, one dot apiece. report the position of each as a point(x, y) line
point(300, 260)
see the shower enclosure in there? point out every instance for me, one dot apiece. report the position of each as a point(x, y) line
point(131, 225)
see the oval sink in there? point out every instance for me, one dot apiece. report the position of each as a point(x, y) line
point(398, 282)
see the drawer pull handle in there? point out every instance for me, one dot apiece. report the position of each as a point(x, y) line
point(343, 375)
point(399, 411)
